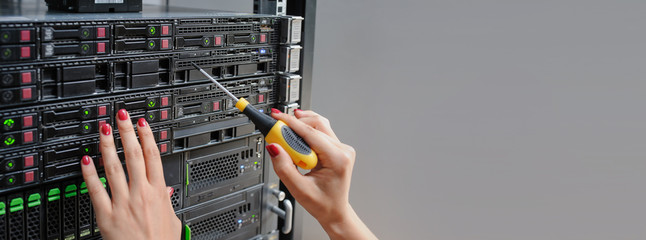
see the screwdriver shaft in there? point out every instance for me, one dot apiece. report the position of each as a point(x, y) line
point(216, 82)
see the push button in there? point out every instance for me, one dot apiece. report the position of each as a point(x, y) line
point(25, 52)
point(164, 114)
point(25, 78)
point(164, 44)
point(150, 117)
point(165, 30)
point(103, 110)
point(9, 140)
point(8, 124)
point(29, 177)
point(26, 93)
point(261, 98)
point(28, 137)
point(100, 32)
point(27, 121)
point(217, 40)
point(163, 135)
point(28, 161)
point(86, 128)
point(25, 36)
point(10, 165)
point(164, 101)
point(216, 106)
point(86, 113)
point(263, 38)
point(163, 148)
point(100, 47)
point(10, 180)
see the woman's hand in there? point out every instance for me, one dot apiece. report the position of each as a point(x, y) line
point(140, 208)
point(323, 192)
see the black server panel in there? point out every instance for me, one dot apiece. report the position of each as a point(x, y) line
point(63, 76)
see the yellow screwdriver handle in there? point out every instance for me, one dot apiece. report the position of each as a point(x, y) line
point(294, 145)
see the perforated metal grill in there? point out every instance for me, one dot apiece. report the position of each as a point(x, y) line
point(206, 173)
point(69, 219)
point(215, 227)
point(175, 198)
point(53, 219)
point(213, 61)
point(33, 222)
point(15, 225)
point(208, 29)
point(84, 210)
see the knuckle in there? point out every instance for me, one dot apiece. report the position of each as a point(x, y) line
point(95, 189)
point(151, 151)
point(134, 151)
point(113, 166)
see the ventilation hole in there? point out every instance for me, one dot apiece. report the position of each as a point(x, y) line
point(213, 171)
point(215, 227)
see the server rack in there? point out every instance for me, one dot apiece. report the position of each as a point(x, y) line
point(63, 76)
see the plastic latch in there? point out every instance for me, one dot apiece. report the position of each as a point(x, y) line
point(33, 200)
point(3, 209)
point(187, 232)
point(16, 205)
point(187, 174)
point(70, 191)
point(53, 194)
point(83, 188)
point(103, 181)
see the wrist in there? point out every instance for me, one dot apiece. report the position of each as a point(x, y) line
point(341, 224)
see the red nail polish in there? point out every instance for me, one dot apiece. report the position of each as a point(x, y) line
point(105, 129)
point(123, 115)
point(85, 160)
point(141, 122)
point(273, 110)
point(272, 149)
point(171, 191)
point(297, 110)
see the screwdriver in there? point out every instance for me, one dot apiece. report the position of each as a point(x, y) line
point(275, 131)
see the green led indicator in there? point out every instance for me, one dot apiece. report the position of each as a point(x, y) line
point(206, 41)
point(151, 104)
point(86, 32)
point(9, 141)
point(151, 116)
point(152, 30)
point(151, 44)
point(86, 127)
point(253, 215)
point(85, 47)
point(255, 163)
point(7, 52)
point(9, 122)
point(11, 180)
point(5, 35)
point(86, 150)
point(86, 112)
point(10, 164)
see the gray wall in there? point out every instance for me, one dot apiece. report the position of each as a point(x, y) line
point(488, 119)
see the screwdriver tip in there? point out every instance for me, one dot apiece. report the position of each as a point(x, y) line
point(195, 65)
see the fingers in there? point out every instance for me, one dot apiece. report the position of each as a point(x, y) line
point(285, 168)
point(316, 121)
point(98, 195)
point(316, 139)
point(131, 148)
point(112, 164)
point(153, 165)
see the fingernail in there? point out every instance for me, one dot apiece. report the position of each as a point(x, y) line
point(85, 160)
point(141, 122)
point(272, 149)
point(171, 191)
point(123, 115)
point(273, 110)
point(105, 129)
point(297, 110)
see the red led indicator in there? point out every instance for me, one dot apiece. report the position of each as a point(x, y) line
point(218, 40)
point(27, 121)
point(100, 47)
point(29, 161)
point(261, 98)
point(216, 106)
point(164, 114)
point(164, 43)
point(25, 77)
point(100, 32)
point(29, 177)
point(25, 52)
point(163, 148)
point(103, 110)
point(26, 93)
point(164, 101)
point(163, 135)
point(25, 35)
point(165, 30)
point(27, 137)
point(263, 38)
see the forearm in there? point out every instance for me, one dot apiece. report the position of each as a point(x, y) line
point(347, 226)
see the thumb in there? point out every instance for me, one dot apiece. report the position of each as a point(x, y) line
point(285, 168)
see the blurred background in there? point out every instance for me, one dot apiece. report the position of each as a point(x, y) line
point(488, 120)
